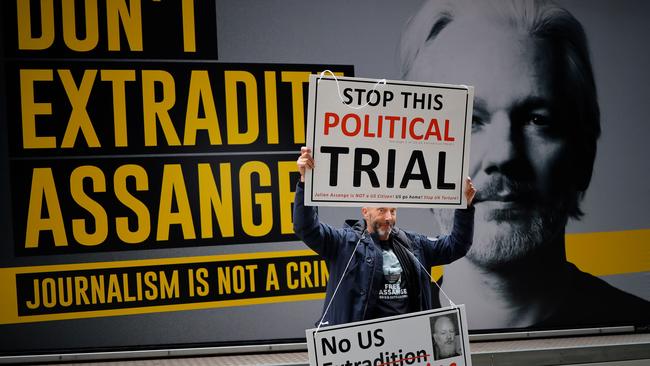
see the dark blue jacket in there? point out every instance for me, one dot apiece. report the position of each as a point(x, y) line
point(352, 301)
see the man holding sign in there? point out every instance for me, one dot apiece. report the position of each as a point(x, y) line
point(376, 269)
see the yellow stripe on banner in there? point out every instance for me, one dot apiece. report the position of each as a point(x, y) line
point(603, 254)
point(8, 304)
point(610, 253)
point(160, 261)
point(600, 254)
point(161, 308)
point(9, 307)
point(436, 272)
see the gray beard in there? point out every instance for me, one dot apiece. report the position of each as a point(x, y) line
point(382, 232)
point(498, 243)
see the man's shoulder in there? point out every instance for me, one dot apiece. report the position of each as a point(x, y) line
point(353, 224)
point(591, 301)
point(411, 234)
point(591, 288)
point(416, 238)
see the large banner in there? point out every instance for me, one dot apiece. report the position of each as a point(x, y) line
point(148, 164)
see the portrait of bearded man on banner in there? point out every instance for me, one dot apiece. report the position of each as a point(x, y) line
point(535, 127)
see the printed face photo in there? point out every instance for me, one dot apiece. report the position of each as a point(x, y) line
point(444, 332)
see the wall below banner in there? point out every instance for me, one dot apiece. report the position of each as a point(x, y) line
point(606, 350)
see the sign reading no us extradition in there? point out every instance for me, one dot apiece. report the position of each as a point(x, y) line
point(436, 337)
point(398, 143)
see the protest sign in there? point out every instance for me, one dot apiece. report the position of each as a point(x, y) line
point(432, 338)
point(396, 143)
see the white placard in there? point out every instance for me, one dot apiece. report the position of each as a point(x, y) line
point(398, 144)
point(429, 338)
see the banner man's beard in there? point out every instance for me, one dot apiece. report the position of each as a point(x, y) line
point(497, 244)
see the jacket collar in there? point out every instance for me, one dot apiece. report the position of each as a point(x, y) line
point(358, 226)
